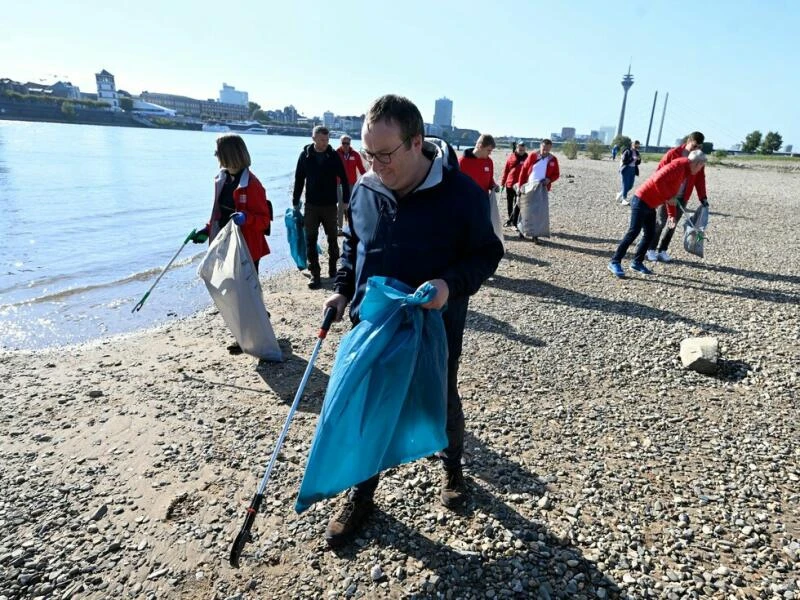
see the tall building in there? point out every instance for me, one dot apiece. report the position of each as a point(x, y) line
point(328, 119)
point(230, 95)
point(107, 89)
point(443, 113)
point(567, 133)
point(607, 134)
point(290, 113)
point(594, 134)
point(627, 83)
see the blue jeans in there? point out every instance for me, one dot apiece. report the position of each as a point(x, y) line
point(642, 218)
point(628, 175)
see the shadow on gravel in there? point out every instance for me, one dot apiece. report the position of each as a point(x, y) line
point(526, 259)
point(283, 378)
point(728, 216)
point(585, 239)
point(558, 295)
point(763, 276)
point(481, 322)
point(221, 384)
point(761, 294)
point(523, 558)
point(732, 370)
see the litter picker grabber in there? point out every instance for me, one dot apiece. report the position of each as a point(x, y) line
point(141, 302)
point(244, 533)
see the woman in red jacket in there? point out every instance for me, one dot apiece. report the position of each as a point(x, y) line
point(238, 197)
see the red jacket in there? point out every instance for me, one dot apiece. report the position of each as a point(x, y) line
point(664, 184)
point(552, 173)
point(512, 169)
point(697, 181)
point(481, 170)
point(352, 165)
point(249, 198)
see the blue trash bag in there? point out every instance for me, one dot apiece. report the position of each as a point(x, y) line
point(386, 402)
point(296, 234)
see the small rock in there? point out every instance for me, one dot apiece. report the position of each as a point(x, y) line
point(700, 354)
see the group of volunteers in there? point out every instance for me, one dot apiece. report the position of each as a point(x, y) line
point(414, 216)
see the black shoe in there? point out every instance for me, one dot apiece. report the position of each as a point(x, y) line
point(454, 489)
point(235, 348)
point(348, 520)
point(315, 284)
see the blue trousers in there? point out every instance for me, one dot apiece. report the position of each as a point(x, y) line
point(642, 218)
point(628, 175)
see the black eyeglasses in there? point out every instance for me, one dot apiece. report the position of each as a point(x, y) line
point(384, 158)
point(345, 143)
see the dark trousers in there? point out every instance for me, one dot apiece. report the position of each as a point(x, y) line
point(314, 217)
point(628, 176)
point(511, 199)
point(454, 318)
point(642, 218)
point(661, 226)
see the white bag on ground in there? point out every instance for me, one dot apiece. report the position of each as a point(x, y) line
point(694, 231)
point(534, 211)
point(232, 280)
point(494, 213)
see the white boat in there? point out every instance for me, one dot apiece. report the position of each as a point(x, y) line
point(216, 127)
point(257, 130)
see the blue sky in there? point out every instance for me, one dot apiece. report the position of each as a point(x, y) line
point(518, 68)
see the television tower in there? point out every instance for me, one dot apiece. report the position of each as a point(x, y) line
point(627, 83)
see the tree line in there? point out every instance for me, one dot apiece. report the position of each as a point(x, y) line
point(754, 142)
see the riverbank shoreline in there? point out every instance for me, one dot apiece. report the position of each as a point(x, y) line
point(597, 466)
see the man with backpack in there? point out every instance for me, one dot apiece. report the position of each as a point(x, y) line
point(414, 217)
point(318, 168)
point(628, 170)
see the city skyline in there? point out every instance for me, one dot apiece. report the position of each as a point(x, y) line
point(711, 76)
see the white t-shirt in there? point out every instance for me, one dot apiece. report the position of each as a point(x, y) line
point(540, 169)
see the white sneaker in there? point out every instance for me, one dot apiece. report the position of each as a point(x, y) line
point(624, 202)
point(619, 196)
point(652, 255)
point(664, 257)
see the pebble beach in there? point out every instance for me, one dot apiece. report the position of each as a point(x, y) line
point(597, 465)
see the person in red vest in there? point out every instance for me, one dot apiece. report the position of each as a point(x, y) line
point(541, 167)
point(510, 178)
point(660, 188)
point(477, 164)
point(659, 244)
point(353, 166)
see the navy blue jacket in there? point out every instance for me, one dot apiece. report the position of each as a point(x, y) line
point(441, 230)
point(320, 179)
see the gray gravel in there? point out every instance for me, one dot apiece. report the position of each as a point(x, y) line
point(598, 467)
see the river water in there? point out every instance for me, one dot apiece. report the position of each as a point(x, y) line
point(92, 214)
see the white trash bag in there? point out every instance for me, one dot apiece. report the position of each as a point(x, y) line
point(232, 280)
point(494, 213)
point(534, 211)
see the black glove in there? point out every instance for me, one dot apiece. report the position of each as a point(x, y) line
point(200, 237)
point(704, 202)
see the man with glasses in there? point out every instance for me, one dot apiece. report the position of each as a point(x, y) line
point(353, 165)
point(318, 168)
point(415, 219)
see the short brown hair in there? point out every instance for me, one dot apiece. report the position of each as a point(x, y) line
point(320, 129)
point(232, 152)
point(485, 140)
point(392, 108)
point(547, 142)
point(697, 137)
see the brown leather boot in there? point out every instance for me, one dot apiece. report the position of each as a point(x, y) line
point(454, 489)
point(348, 520)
